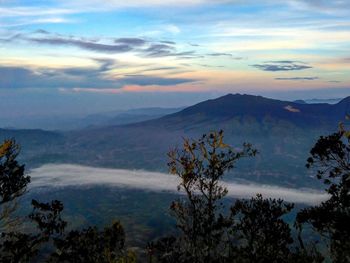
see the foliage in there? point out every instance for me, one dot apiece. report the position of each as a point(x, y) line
point(13, 182)
point(200, 165)
point(254, 230)
point(22, 247)
point(259, 230)
point(260, 234)
point(331, 158)
point(90, 245)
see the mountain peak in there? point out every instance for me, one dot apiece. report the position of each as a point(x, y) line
point(244, 106)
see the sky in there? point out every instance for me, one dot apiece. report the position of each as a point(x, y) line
point(86, 56)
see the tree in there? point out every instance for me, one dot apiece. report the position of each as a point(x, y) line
point(259, 233)
point(331, 158)
point(91, 246)
point(88, 245)
point(201, 165)
point(253, 232)
point(13, 182)
point(23, 247)
point(259, 230)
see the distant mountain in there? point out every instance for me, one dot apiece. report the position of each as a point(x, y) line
point(300, 101)
point(282, 131)
point(329, 101)
point(239, 107)
point(64, 122)
point(128, 116)
point(37, 146)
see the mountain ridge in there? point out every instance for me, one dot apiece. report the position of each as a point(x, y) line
point(260, 108)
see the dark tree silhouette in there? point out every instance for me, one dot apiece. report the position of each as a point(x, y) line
point(262, 234)
point(13, 183)
point(331, 158)
point(90, 246)
point(23, 247)
point(201, 165)
point(253, 232)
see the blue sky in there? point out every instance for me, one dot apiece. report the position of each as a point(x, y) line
point(76, 57)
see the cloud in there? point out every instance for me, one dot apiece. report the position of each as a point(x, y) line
point(14, 77)
point(65, 7)
point(33, 11)
point(168, 42)
point(211, 66)
point(14, 16)
point(221, 54)
point(131, 41)
point(298, 78)
point(166, 50)
point(83, 44)
point(282, 65)
point(75, 175)
point(42, 31)
point(324, 6)
point(141, 46)
point(22, 77)
point(172, 29)
point(143, 80)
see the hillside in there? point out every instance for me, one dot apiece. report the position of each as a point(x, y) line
point(37, 146)
point(261, 110)
point(282, 131)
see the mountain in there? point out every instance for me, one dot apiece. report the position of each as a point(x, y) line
point(66, 123)
point(283, 132)
point(37, 146)
point(260, 109)
point(300, 101)
point(128, 116)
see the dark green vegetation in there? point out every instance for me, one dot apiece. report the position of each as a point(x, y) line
point(251, 231)
point(283, 132)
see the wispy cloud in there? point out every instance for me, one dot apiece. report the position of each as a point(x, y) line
point(87, 45)
point(282, 65)
point(74, 175)
point(298, 78)
point(223, 54)
point(33, 11)
point(15, 16)
point(15, 77)
point(324, 6)
point(141, 46)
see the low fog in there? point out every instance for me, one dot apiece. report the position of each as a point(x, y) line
point(63, 175)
